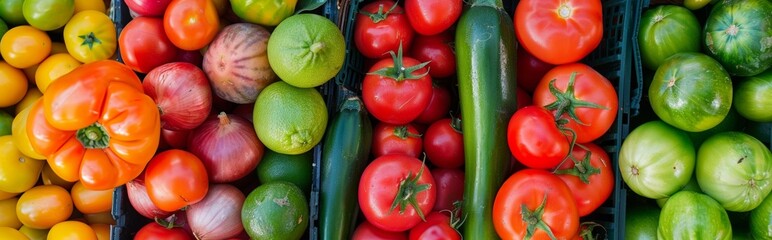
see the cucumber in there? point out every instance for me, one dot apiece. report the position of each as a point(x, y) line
point(486, 59)
point(344, 158)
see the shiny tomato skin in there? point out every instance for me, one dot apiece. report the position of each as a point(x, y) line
point(175, 179)
point(444, 144)
point(366, 231)
point(144, 44)
point(379, 185)
point(376, 39)
point(392, 101)
point(589, 86)
point(535, 140)
point(396, 139)
point(450, 187)
point(439, 50)
point(191, 24)
point(559, 31)
point(529, 188)
point(589, 196)
point(154, 231)
point(430, 17)
point(530, 70)
point(438, 108)
point(436, 227)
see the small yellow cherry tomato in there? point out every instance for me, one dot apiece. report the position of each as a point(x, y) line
point(44, 206)
point(89, 201)
point(8, 213)
point(34, 234)
point(7, 233)
point(103, 218)
point(14, 85)
point(18, 173)
point(71, 230)
point(24, 46)
point(7, 195)
point(102, 230)
point(82, 5)
point(20, 137)
point(90, 36)
point(54, 67)
point(58, 47)
point(33, 94)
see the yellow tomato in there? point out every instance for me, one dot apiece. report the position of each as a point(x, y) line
point(17, 172)
point(20, 137)
point(89, 201)
point(14, 85)
point(98, 5)
point(30, 74)
point(71, 230)
point(58, 47)
point(8, 213)
point(50, 178)
point(103, 218)
point(54, 67)
point(44, 206)
point(7, 233)
point(7, 195)
point(24, 46)
point(33, 94)
point(34, 234)
point(90, 36)
point(102, 231)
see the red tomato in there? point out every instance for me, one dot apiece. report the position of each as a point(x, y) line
point(437, 49)
point(144, 45)
point(537, 191)
point(397, 90)
point(380, 27)
point(438, 107)
point(591, 179)
point(559, 31)
point(388, 186)
point(154, 231)
point(444, 144)
point(589, 87)
point(430, 17)
point(530, 70)
point(535, 140)
point(438, 226)
point(396, 139)
point(450, 187)
point(523, 99)
point(175, 179)
point(191, 24)
point(366, 231)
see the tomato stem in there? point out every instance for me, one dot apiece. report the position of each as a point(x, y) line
point(407, 192)
point(380, 15)
point(535, 221)
point(582, 169)
point(93, 137)
point(399, 72)
point(566, 102)
point(402, 132)
point(90, 39)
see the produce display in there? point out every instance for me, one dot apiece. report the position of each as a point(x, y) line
point(385, 119)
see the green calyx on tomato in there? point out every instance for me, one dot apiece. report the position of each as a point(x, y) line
point(582, 169)
point(566, 102)
point(407, 192)
point(586, 228)
point(93, 137)
point(380, 15)
point(402, 133)
point(534, 220)
point(399, 72)
point(89, 40)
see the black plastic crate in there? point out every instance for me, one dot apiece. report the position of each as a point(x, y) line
point(613, 59)
point(128, 221)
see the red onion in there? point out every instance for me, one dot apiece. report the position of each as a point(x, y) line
point(218, 216)
point(173, 139)
point(182, 93)
point(228, 147)
point(141, 201)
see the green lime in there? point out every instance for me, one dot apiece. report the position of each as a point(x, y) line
point(5, 123)
point(289, 120)
point(48, 15)
point(283, 167)
point(276, 210)
point(306, 50)
point(11, 12)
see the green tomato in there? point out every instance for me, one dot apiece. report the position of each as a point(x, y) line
point(11, 12)
point(761, 219)
point(752, 97)
point(734, 168)
point(692, 185)
point(666, 30)
point(739, 35)
point(641, 222)
point(691, 215)
point(656, 160)
point(263, 12)
point(48, 15)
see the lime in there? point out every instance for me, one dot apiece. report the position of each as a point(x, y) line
point(291, 168)
point(11, 13)
point(306, 50)
point(289, 120)
point(276, 210)
point(6, 121)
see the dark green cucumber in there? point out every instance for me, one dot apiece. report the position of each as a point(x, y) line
point(486, 60)
point(344, 158)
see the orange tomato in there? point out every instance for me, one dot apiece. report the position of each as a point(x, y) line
point(91, 201)
point(102, 231)
point(96, 125)
point(7, 195)
point(191, 24)
point(71, 230)
point(44, 206)
point(14, 85)
point(24, 46)
point(33, 94)
point(54, 67)
point(8, 213)
point(50, 178)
